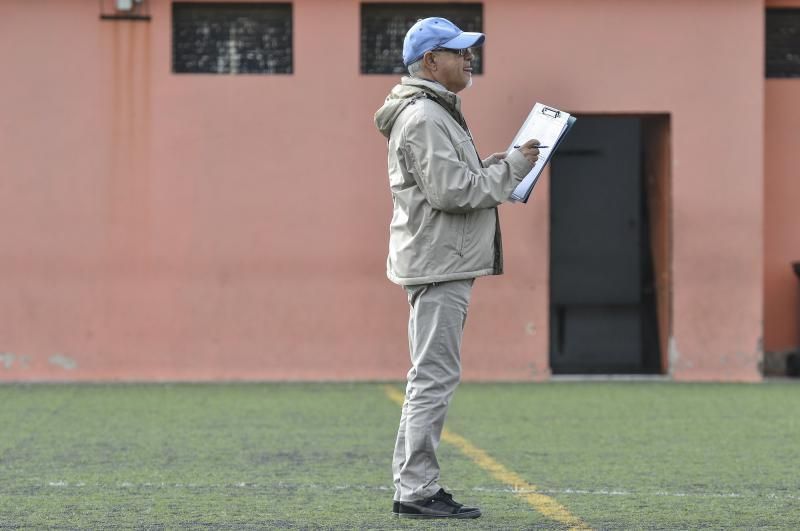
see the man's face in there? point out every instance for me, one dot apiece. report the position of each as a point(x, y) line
point(454, 68)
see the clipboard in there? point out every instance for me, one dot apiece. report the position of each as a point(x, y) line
point(548, 125)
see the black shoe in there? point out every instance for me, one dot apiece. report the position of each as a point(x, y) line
point(396, 508)
point(440, 505)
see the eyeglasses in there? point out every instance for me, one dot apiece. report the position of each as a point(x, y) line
point(463, 52)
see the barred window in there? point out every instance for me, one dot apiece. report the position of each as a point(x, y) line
point(231, 38)
point(384, 26)
point(783, 42)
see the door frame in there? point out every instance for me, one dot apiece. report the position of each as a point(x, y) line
point(657, 167)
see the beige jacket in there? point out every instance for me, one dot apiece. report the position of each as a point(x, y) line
point(445, 224)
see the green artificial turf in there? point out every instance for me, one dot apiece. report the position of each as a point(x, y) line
point(257, 456)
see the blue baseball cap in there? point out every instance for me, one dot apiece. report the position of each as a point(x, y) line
point(436, 32)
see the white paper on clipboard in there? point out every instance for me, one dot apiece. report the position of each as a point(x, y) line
point(548, 125)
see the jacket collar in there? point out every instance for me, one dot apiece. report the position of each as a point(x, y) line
point(436, 89)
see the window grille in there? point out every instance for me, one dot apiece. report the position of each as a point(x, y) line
point(384, 26)
point(783, 42)
point(231, 38)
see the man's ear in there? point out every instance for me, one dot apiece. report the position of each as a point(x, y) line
point(429, 60)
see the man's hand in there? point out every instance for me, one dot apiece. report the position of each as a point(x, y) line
point(530, 150)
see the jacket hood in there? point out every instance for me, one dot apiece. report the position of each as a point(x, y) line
point(408, 91)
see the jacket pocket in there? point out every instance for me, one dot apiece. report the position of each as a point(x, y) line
point(468, 154)
point(462, 235)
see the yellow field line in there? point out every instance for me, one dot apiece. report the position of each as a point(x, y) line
point(545, 505)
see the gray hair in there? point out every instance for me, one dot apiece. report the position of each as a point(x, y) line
point(415, 68)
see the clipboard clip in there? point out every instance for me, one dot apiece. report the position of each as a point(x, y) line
point(549, 111)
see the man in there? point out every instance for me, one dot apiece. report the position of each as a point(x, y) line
point(444, 233)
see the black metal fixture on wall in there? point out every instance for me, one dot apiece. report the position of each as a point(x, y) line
point(137, 10)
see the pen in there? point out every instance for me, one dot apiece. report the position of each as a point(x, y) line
point(537, 147)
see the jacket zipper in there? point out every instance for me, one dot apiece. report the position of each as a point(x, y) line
point(459, 118)
point(463, 239)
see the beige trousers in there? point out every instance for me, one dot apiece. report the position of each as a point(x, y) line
point(435, 327)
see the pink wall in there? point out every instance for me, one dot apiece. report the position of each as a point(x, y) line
point(782, 211)
point(782, 215)
point(161, 226)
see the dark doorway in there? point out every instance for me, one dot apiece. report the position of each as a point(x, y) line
point(602, 295)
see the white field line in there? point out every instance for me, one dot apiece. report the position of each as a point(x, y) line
point(312, 486)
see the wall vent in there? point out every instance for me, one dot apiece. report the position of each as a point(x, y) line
point(384, 26)
point(231, 38)
point(783, 42)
